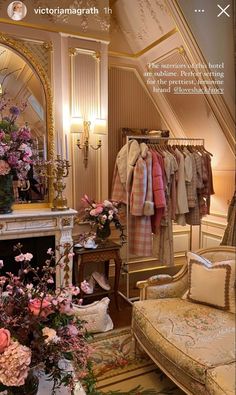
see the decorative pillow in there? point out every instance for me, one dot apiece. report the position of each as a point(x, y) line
point(198, 258)
point(210, 284)
point(192, 256)
point(98, 320)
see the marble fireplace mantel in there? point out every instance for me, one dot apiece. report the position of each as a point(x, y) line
point(42, 222)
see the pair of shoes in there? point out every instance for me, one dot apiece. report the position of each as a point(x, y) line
point(90, 243)
point(88, 286)
point(101, 280)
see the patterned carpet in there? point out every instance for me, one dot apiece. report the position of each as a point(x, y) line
point(118, 370)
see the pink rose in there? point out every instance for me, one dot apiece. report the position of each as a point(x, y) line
point(35, 307)
point(5, 338)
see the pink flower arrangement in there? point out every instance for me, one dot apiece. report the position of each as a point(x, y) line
point(99, 215)
point(16, 154)
point(38, 326)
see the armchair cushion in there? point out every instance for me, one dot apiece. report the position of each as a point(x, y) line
point(194, 338)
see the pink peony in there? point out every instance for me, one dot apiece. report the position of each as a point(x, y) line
point(96, 211)
point(35, 305)
point(5, 338)
point(4, 168)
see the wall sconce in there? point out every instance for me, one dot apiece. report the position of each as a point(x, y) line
point(78, 125)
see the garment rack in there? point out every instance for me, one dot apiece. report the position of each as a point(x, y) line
point(156, 139)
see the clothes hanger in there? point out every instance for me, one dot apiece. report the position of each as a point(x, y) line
point(204, 150)
point(190, 148)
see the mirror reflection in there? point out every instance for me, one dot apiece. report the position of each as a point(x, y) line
point(23, 105)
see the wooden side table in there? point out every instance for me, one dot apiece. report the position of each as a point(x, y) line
point(103, 253)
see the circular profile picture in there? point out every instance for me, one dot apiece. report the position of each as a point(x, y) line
point(16, 10)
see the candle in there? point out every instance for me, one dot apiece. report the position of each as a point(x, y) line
point(57, 147)
point(66, 146)
point(44, 148)
point(61, 150)
point(37, 147)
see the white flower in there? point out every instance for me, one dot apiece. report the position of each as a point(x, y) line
point(1, 263)
point(51, 335)
point(107, 203)
point(110, 217)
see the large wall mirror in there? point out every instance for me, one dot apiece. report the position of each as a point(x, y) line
point(25, 86)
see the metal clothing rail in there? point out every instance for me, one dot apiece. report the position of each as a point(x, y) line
point(167, 139)
point(147, 138)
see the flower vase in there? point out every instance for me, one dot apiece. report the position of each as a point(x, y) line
point(29, 388)
point(6, 194)
point(103, 233)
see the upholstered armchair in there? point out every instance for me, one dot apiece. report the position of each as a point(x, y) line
point(166, 286)
point(192, 340)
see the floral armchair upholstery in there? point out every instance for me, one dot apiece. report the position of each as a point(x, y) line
point(192, 343)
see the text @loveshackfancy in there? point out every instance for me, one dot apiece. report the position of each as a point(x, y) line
point(183, 78)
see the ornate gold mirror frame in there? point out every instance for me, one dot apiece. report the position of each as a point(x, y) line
point(29, 57)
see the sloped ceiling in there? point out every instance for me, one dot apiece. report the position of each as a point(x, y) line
point(145, 32)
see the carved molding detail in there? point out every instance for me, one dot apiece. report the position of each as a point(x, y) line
point(66, 221)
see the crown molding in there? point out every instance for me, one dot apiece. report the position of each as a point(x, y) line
point(144, 50)
point(63, 31)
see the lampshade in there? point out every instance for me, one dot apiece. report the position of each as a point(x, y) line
point(100, 126)
point(77, 125)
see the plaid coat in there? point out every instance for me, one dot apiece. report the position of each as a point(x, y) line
point(140, 232)
point(118, 189)
point(182, 201)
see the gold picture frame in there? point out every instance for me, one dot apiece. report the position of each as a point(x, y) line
point(30, 58)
